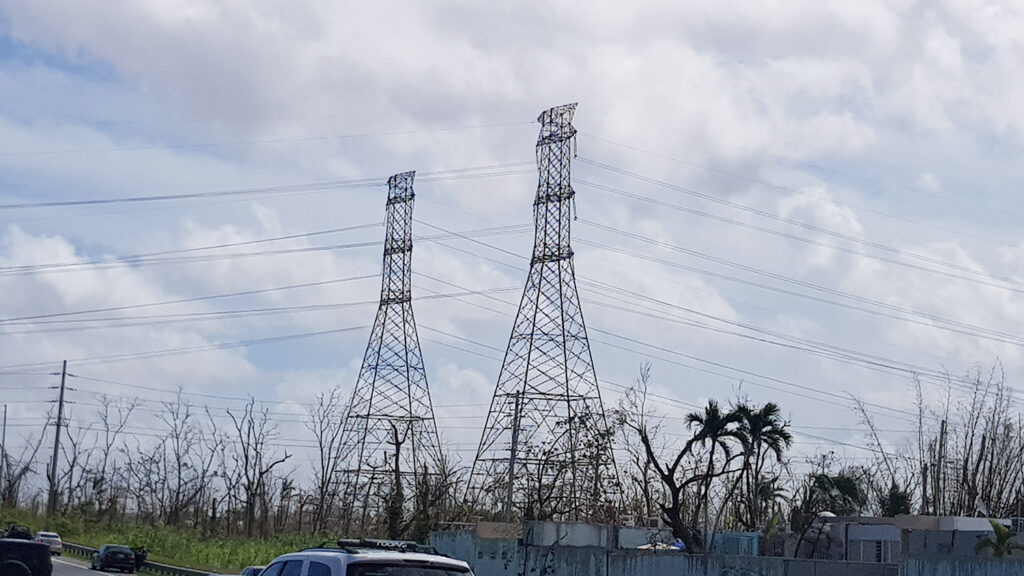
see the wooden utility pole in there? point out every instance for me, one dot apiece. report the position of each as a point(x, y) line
point(52, 502)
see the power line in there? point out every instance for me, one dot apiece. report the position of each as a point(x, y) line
point(186, 300)
point(1008, 283)
point(487, 171)
point(202, 145)
point(845, 404)
point(165, 260)
point(790, 190)
point(790, 221)
point(116, 322)
point(192, 349)
point(137, 258)
point(646, 344)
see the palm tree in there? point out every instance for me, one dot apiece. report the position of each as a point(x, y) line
point(1001, 543)
point(714, 428)
point(766, 433)
point(843, 493)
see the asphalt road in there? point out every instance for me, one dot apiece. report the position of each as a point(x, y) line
point(64, 566)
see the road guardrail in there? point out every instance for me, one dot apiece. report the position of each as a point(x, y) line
point(154, 567)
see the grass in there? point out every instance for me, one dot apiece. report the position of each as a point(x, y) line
point(169, 545)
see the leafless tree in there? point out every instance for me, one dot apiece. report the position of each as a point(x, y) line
point(255, 458)
point(75, 475)
point(325, 422)
point(17, 468)
point(971, 448)
point(186, 465)
point(112, 416)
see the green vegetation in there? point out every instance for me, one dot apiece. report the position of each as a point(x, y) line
point(1001, 543)
point(180, 547)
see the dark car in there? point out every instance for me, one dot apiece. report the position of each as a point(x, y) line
point(24, 558)
point(113, 557)
point(252, 570)
point(18, 531)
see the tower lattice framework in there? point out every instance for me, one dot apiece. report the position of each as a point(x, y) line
point(389, 437)
point(545, 451)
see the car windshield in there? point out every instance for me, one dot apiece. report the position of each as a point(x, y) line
point(48, 535)
point(392, 569)
point(121, 549)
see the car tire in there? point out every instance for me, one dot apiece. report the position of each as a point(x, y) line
point(14, 568)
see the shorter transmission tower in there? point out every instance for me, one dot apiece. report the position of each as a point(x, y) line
point(389, 440)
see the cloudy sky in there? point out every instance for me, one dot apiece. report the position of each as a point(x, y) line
point(793, 201)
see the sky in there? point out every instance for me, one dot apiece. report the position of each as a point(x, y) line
point(799, 202)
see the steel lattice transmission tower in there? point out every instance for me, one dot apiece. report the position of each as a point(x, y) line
point(545, 451)
point(390, 412)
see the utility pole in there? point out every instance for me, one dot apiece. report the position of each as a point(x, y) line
point(52, 503)
point(3, 459)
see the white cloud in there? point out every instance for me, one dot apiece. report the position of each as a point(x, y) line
point(812, 110)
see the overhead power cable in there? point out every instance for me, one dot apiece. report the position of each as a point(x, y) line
point(23, 319)
point(934, 320)
point(138, 260)
point(789, 221)
point(119, 322)
point(1006, 283)
point(287, 189)
point(865, 359)
point(790, 190)
point(226, 144)
point(838, 399)
point(189, 349)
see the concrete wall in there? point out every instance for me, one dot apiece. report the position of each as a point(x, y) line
point(975, 567)
point(566, 534)
point(510, 557)
point(941, 544)
point(733, 543)
point(632, 537)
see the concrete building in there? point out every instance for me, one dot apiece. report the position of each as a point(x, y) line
point(871, 539)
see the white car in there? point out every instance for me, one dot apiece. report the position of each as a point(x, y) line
point(51, 539)
point(367, 558)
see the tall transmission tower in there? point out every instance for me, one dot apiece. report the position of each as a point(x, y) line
point(389, 437)
point(545, 451)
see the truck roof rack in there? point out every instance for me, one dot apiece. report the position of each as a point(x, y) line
point(357, 545)
point(392, 545)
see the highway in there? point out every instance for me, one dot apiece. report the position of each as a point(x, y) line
point(64, 566)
